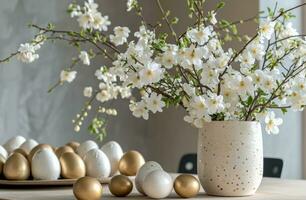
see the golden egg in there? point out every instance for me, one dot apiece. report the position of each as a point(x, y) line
point(16, 167)
point(87, 188)
point(186, 186)
point(38, 147)
point(120, 186)
point(130, 163)
point(21, 151)
point(73, 144)
point(72, 165)
point(2, 161)
point(59, 151)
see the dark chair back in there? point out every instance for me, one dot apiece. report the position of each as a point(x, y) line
point(272, 166)
point(188, 164)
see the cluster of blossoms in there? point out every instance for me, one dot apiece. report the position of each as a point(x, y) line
point(195, 71)
point(89, 17)
point(27, 52)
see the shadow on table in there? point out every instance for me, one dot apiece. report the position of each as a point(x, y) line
point(29, 187)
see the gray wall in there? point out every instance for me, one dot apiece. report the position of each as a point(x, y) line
point(28, 110)
point(288, 144)
point(26, 107)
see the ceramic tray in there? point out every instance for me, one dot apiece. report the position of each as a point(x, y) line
point(59, 182)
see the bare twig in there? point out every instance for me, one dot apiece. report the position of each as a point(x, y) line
point(165, 17)
point(9, 57)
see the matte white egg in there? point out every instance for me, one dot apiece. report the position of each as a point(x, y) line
point(114, 153)
point(3, 152)
point(45, 165)
point(158, 184)
point(143, 172)
point(97, 164)
point(14, 143)
point(85, 147)
point(28, 145)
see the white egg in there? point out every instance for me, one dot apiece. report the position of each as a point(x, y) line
point(97, 164)
point(85, 147)
point(3, 152)
point(14, 143)
point(114, 153)
point(28, 145)
point(45, 165)
point(143, 172)
point(158, 184)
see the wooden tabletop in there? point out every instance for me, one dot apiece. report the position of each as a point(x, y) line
point(272, 189)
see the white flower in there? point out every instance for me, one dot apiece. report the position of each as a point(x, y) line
point(246, 60)
point(189, 89)
point(168, 59)
point(265, 80)
point(144, 35)
point(268, 84)
point(122, 31)
point(125, 92)
point(67, 76)
point(230, 95)
point(134, 79)
point(266, 29)
point(103, 74)
point(92, 19)
point(222, 61)
point(213, 19)
point(243, 85)
point(26, 53)
point(100, 23)
point(198, 106)
point(91, 6)
point(75, 10)
point(272, 123)
point(299, 85)
point(100, 73)
point(209, 77)
point(258, 77)
point(192, 56)
point(296, 100)
point(151, 73)
point(130, 4)
point(288, 31)
point(87, 91)
point(197, 122)
point(256, 49)
point(215, 103)
point(200, 35)
point(121, 35)
point(84, 57)
point(154, 103)
point(139, 110)
point(214, 45)
point(85, 20)
point(103, 96)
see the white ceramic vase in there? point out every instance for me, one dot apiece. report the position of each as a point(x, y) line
point(230, 157)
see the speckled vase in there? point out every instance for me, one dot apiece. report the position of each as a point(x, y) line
point(230, 158)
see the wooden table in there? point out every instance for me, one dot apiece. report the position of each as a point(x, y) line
point(270, 189)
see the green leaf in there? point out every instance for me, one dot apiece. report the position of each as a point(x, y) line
point(284, 110)
point(221, 4)
point(249, 100)
point(97, 128)
point(50, 26)
point(175, 20)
